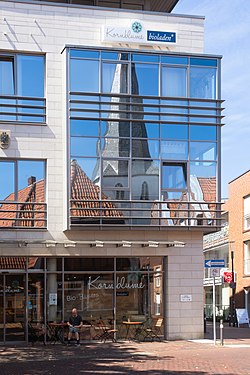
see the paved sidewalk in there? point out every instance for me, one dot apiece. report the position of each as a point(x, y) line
point(198, 357)
point(231, 335)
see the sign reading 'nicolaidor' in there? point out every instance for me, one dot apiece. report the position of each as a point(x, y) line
point(136, 33)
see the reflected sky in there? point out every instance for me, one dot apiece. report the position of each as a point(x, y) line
point(23, 170)
point(143, 142)
point(147, 152)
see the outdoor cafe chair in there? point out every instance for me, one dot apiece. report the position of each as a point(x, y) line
point(154, 330)
point(35, 333)
point(104, 331)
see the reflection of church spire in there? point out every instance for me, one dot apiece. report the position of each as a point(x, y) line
point(114, 145)
point(140, 146)
point(117, 136)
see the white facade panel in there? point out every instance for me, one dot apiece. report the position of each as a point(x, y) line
point(48, 29)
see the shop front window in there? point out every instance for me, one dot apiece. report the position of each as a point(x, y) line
point(99, 293)
point(131, 296)
point(135, 287)
point(12, 306)
point(92, 295)
point(106, 291)
point(36, 298)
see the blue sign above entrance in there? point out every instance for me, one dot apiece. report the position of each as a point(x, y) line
point(161, 36)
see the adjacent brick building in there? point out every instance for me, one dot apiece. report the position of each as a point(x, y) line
point(238, 206)
point(231, 243)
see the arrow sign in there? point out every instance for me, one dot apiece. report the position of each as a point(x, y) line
point(214, 263)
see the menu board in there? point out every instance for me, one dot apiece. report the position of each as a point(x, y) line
point(242, 316)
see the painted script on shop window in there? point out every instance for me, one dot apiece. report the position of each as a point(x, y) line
point(121, 283)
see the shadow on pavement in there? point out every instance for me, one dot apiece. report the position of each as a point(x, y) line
point(134, 358)
point(91, 359)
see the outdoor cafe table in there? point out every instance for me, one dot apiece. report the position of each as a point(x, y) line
point(56, 332)
point(131, 329)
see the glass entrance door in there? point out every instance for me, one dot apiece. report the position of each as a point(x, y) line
point(12, 307)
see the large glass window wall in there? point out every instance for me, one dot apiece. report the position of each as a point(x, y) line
point(37, 293)
point(138, 116)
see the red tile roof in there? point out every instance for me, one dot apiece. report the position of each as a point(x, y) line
point(208, 187)
point(177, 212)
point(7, 263)
point(13, 215)
point(85, 202)
point(85, 197)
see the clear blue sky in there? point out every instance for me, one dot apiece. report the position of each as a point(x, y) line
point(227, 33)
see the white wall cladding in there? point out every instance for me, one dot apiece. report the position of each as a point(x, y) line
point(47, 29)
point(39, 28)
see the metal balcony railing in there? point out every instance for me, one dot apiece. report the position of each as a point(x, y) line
point(23, 215)
point(138, 108)
point(23, 109)
point(144, 213)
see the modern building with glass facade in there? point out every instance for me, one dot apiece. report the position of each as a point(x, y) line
point(110, 125)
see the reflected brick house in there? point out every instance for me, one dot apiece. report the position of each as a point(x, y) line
point(29, 211)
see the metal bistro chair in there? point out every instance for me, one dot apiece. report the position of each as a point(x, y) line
point(105, 331)
point(51, 334)
point(35, 334)
point(141, 331)
point(154, 331)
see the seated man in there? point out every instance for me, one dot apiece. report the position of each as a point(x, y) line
point(74, 323)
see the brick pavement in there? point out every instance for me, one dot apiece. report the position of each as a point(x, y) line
point(198, 357)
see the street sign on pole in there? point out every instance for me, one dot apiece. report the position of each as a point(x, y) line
point(214, 263)
point(214, 312)
point(210, 280)
point(214, 272)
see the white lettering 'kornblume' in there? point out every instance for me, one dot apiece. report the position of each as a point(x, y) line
point(121, 283)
